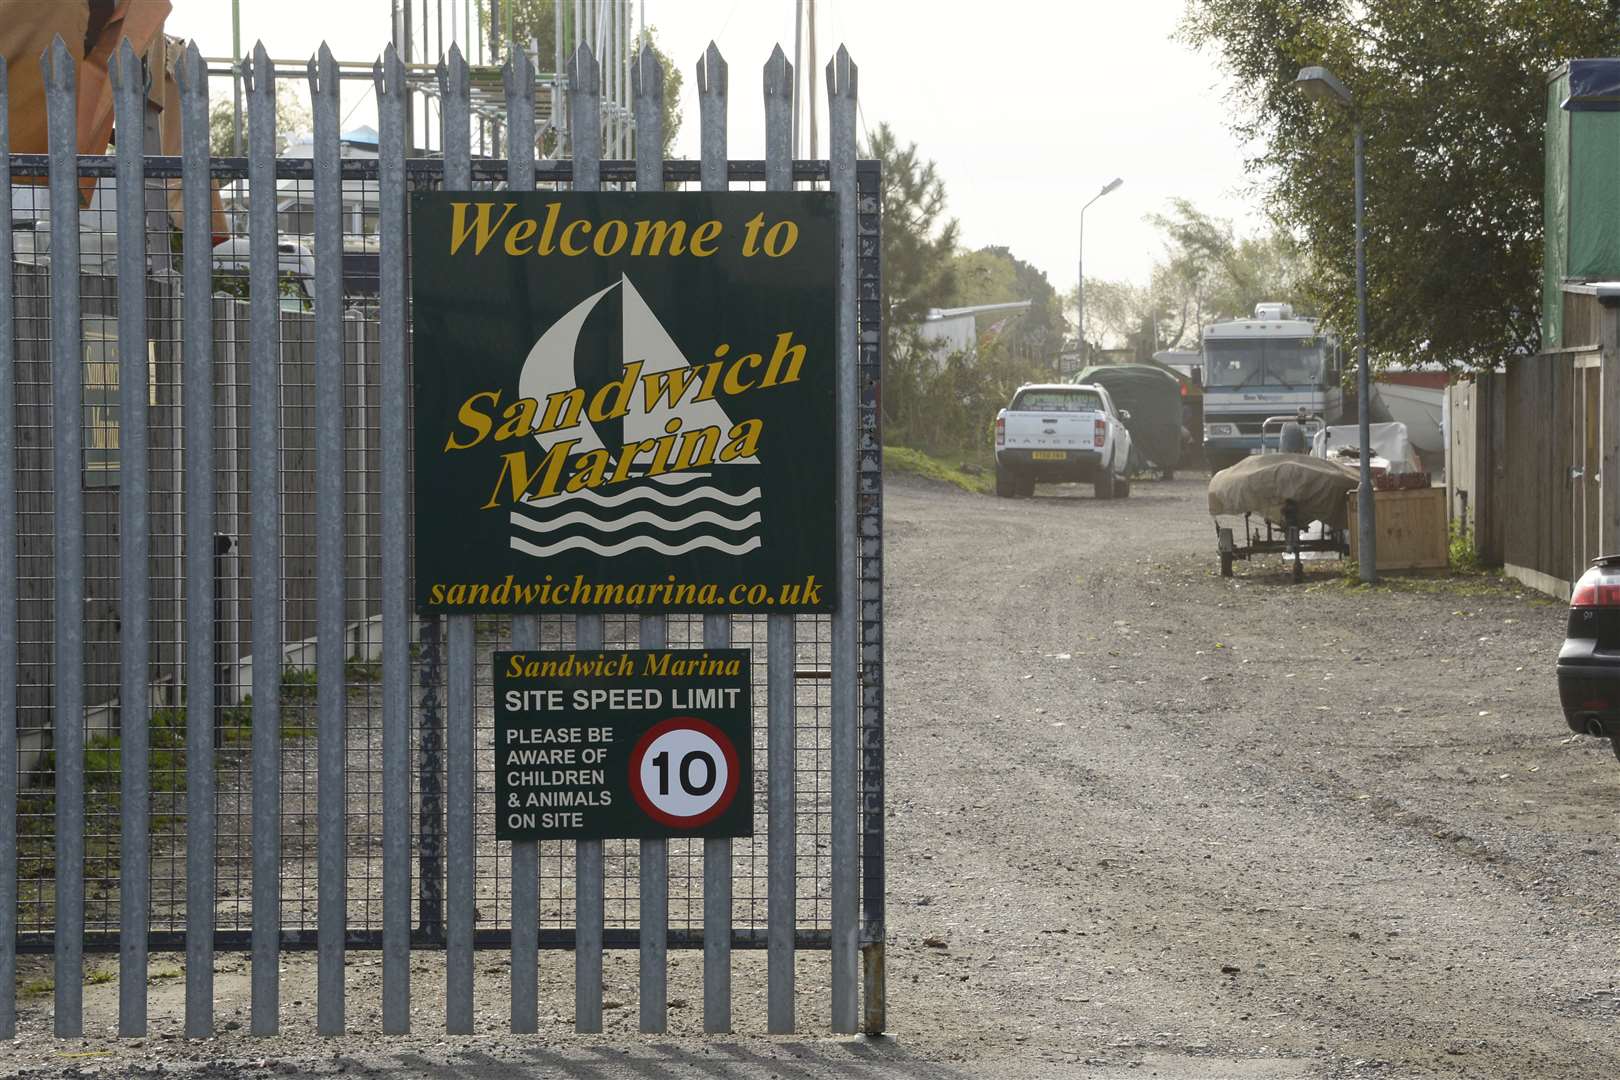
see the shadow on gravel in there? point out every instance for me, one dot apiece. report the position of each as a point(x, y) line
point(754, 1060)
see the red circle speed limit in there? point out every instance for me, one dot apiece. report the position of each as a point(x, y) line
point(683, 772)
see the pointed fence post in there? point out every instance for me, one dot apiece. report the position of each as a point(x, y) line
point(585, 120)
point(841, 94)
point(781, 652)
point(264, 363)
point(388, 76)
point(68, 604)
point(134, 694)
point(518, 77)
point(197, 392)
point(330, 555)
point(647, 96)
point(460, 839)
point(717, 890)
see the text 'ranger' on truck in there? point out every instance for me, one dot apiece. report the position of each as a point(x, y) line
point(1062, 432)
point(1274, 364)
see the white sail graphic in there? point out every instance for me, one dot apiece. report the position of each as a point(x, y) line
point(621, 512)
point(549, 369)
point(645, 339)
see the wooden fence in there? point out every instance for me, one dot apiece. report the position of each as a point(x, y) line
point(1525, 464)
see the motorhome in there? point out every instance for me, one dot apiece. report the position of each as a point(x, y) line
point(1273, 364)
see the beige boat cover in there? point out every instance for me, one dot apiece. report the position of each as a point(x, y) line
point(1261, 483)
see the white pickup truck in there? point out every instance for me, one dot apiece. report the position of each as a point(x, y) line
point(1061, 432)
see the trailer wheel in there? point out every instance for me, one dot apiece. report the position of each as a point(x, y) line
point(1226, 564)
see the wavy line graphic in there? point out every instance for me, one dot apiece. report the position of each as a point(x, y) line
point(640, 517)
point(519, 544)
point(690, 495)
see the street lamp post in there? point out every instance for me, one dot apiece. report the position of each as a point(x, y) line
point(1080, 293)
point(1322, 85)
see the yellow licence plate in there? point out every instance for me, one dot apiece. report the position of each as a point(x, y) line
point(1049, 455)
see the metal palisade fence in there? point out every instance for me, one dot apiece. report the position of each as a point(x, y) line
point(230, 730)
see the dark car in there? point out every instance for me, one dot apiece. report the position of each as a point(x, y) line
point(1589, 662)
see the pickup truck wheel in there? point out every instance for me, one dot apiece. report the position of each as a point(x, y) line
point(1026, 487)
point(1006, 484)
point(1122, 488)
point(1103, 486)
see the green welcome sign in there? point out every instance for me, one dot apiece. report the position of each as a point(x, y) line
point(624, 401)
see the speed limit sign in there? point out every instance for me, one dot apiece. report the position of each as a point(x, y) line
point(684, 772)
point(635, 743)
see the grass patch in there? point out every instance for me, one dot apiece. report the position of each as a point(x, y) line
point(1475, 582)
point(298, 686)
point(37, 987)
point(166, 779)
point(904, 459)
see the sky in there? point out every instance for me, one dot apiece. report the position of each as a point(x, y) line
point(1028, 106)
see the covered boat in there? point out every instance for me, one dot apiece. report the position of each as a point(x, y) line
point(1267, 484)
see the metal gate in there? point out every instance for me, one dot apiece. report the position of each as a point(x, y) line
point(260, 747)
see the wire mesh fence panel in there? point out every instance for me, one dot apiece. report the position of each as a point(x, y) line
point(235, 413)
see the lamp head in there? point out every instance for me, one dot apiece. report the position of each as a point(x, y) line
point(1111, 185)
point(1320, 84)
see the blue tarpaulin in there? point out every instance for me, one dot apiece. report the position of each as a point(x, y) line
point(1594, 86)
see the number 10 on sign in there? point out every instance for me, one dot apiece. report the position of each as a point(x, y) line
point(683, 772)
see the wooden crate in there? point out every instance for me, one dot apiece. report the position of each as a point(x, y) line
point(1410, 529)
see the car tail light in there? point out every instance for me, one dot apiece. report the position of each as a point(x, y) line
point(1001, 431)
point(1598, 587)
point(1101, 435)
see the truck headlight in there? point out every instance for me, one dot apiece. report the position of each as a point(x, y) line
point(1220, 430)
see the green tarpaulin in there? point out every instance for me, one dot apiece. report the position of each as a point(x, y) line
point(1581, 203)
point(1152, 395)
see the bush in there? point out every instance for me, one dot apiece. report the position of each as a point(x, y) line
point(946, 405)
point(1464, 555)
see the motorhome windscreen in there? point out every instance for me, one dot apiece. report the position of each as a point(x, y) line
point(1235, 362)
point(1075, 400)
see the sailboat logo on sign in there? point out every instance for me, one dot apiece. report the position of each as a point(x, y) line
point(668, 512)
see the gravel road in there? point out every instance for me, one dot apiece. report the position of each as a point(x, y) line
point(1144, 821)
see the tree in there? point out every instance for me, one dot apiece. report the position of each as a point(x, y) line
point(918, 270)
point(994, 275)
point(292, 119)
point(1116, 310)
point(535, 21)
point(918, 240)
point(1225, 275)
point(1207, 273)
point(1453, 101)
